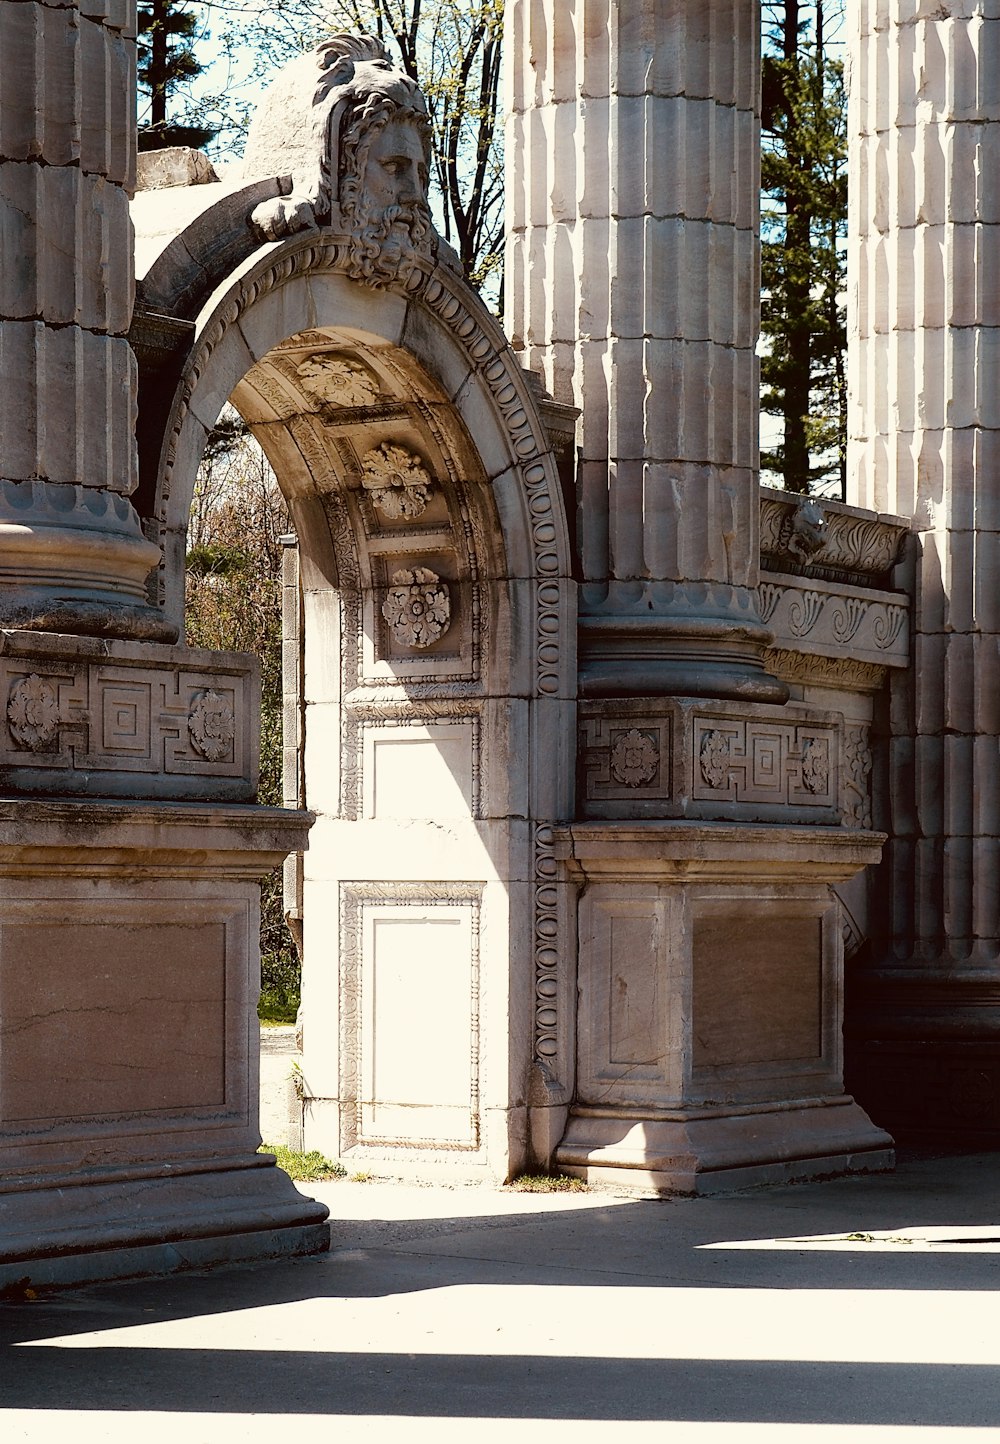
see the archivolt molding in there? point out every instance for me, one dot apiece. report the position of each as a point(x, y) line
point(445, 296)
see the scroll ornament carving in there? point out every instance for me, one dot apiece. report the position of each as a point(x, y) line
point(212, 726)
point(33, 712)
point(398, 482)
point(634, 758)
point(339, 381)
point(857, 769)
point(715, 758)
point(816, 765)
point(417, 608)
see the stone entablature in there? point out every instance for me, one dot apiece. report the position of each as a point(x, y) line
point(81, 717)
point(811, 536)
point(829, 620)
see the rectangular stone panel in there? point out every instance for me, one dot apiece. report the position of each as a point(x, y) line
point(757, 988)
point(121, 719)
point(102, 1018)
point(410, 1001)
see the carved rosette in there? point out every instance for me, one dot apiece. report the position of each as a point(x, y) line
point(715, 759)
point(212, 726)
point(399, 484)
point(33, 712)
point(417, 608)
point(816, 765)
point(634, 758)
point(337, 380)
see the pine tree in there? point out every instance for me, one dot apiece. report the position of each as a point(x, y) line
point(166, 30)
point(804, 221)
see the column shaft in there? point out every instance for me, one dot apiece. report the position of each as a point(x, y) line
point(67, 373)
point(633, 265)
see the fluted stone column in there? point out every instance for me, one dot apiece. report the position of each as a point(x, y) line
point(72, 554)
point(925, 443)
point(633, 264)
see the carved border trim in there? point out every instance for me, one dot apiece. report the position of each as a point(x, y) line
point(353, 898)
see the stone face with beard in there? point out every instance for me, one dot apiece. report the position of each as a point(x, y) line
point(384, 206)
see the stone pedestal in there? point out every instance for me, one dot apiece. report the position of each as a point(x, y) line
point(710, 1002)
point(924, 1012)
point(129, 973)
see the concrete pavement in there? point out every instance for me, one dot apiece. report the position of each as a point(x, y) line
point(464, 1312)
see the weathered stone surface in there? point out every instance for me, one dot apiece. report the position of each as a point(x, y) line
point(176, 165)
point(160, 1128)
point(632, 288)
point(710, 965)
point(114, 719)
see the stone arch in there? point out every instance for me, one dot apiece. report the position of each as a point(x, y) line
point(346, 387)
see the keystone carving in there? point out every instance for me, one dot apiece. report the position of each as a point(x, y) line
point(397, 480)
point(417, 608)
point(352, 128)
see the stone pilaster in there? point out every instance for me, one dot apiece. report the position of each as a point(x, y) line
point(633, 177)
point(925, 443)
point(72, 554)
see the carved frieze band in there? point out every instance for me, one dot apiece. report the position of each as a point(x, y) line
point(820, 617)
point(91, 716)
point(355, 898)
point(809, 532)
point(765, 762)
point(722, 760)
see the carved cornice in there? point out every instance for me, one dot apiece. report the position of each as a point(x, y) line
point(807, 536)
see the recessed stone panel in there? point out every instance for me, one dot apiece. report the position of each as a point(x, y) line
point(110, 1017)
point(757, 989)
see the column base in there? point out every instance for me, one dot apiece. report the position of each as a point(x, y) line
point(698, 1152)
point(693, 641)
point(58, 1233)
point(73, 559)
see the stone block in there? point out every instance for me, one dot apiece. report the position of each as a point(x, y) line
point(91, 718)
point(676, 1050)
point(100, 898)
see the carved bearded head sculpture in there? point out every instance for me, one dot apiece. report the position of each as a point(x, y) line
point(353, 132)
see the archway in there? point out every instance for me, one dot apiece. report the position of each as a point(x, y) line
point(430, 693)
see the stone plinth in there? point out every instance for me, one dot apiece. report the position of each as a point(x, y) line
point(924, 322)
point(129, 973)
point(710, 980)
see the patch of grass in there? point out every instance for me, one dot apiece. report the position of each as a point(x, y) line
point(547, 1183)
point(277, 1006)
point(304, 1167)
point(360, 1178)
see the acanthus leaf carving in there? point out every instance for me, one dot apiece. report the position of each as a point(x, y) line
point(212, 726)
point(399, 483)
point(417, 607)
point(33, 712)
point(714, 758)
point(338, 380)
point(816, 764)
point(635, 758)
